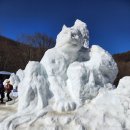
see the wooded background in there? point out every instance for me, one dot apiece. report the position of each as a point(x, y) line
point(15, 55)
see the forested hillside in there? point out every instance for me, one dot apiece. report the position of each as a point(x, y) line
point(123, 62)
point(15, 55)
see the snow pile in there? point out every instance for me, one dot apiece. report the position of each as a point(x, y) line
point(110, 110)
point(15, 79)
point(71, 88)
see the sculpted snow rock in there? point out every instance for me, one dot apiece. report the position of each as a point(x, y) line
point(33, 89)
point(61, 91)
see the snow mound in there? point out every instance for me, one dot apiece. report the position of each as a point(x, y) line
point(15, 79)
point(71, 88)
point(112, 108)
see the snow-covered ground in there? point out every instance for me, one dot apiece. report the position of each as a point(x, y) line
point(71, 88)
point(7, 110)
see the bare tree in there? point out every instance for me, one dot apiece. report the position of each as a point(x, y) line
point(15, 55)
point(38, 40)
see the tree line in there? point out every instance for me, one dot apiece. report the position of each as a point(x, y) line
point(16, 54)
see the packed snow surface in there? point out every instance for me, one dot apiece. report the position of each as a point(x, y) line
point(70, 88)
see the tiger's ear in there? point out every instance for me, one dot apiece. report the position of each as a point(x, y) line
point(64, 27)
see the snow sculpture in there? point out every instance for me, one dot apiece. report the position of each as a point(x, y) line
point(20, 74)
point(69, 76)
point(14, 80)
point(75, 72)
point(33, 89)
point(71, 72)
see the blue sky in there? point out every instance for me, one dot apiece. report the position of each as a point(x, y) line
point(108, 20)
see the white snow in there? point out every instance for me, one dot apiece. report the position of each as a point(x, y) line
point(71, 88)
